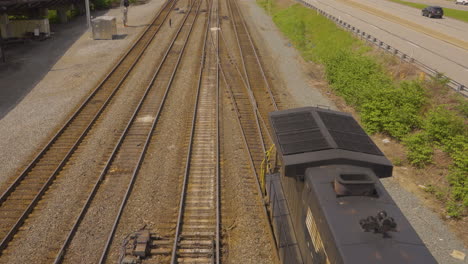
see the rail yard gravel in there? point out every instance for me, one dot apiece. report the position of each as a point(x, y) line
point(242, 215)
point(155, 196)
point(52, 100)
point(30, 124)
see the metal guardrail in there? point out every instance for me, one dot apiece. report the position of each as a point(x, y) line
point(460, 88)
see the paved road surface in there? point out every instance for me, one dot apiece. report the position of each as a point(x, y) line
point(441, 44)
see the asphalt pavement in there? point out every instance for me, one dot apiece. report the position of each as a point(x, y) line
point(440, 44)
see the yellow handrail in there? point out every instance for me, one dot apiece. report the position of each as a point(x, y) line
point(265, 167)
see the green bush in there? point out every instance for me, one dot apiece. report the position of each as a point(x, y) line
point(101, 4)
point(419, 148)
point(53, 17)
point(442, 124)
point(394, 110)
point(18, 17)
point(454, 209)
point(459, 184)
point(457, 147)
point(462, 107)
point(355, 77)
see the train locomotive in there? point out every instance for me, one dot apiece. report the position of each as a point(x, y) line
point(326, 203)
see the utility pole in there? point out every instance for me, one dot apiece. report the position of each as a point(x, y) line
point(88, 14)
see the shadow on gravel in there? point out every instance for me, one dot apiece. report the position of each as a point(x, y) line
point(27, 63)
point(121, 36)
point(136, 26)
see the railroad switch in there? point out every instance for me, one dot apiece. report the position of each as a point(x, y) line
point(136, 247)
point(143, 239)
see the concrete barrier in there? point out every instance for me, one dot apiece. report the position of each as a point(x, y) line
point(104, 27)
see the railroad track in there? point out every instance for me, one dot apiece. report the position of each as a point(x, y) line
point(101, 213)
point(242, 100)
point(248, 87)
point(23, 194)
point(197, 237)
point(256, 79)
point(257, 84)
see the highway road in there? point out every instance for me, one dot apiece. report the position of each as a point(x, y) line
point(440, 44)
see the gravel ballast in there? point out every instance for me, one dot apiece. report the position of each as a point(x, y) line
point(32, 121)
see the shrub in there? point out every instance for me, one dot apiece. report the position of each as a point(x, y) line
point(101, 4)
point(457, 147)
point(53, 17)
point(394, 110)
point(442, 124)
point(459, 185)
point(419, 149)
point(454, 209)
point(462, 107)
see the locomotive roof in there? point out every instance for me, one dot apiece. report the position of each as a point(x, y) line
point(340, 216)
point(311, 136)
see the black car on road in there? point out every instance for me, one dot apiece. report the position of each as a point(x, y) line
point(433, 11)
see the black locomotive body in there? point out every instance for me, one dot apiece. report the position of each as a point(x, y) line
point(327, 204)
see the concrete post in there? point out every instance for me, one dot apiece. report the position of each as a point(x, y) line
point(62, 14)
point(80, 7)
point(4, 21)
point(2, 52)
point(43, 12)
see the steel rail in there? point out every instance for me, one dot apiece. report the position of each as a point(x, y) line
point(251, 96)
point(251, 160)
point(129, 188)
point(243, 53)
point(247, 84)
point(9, 235)
point(16, 182)
point(250, 50)
point(127, 194)
point(268, 88)
point(77, 222)
point(218, 173)
point(189, 153)
point(7, 238)
point(257, 116)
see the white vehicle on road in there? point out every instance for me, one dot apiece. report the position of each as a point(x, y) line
point(461, 2)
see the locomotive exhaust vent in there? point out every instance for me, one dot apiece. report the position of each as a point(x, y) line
point(358, 184)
